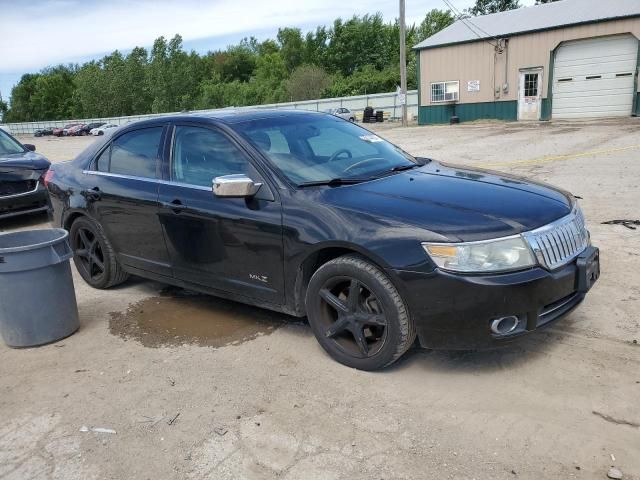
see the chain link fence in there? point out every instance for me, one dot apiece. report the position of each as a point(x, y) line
point(387, 102)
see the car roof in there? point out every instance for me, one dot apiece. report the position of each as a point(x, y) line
point(231, 116)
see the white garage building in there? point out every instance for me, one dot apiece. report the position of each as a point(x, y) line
point(563, 60)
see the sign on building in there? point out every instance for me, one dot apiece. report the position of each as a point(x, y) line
point(473, 86)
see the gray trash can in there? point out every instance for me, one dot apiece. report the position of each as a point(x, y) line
point(37, 298)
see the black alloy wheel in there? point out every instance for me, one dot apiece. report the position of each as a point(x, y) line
point(93, 255)
point(357, 315)
point(352, 317)
point(89, 252)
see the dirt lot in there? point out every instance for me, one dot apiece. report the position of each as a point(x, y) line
point(199, 388)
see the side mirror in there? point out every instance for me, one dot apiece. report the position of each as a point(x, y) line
point(29, 146)
point(238, 185)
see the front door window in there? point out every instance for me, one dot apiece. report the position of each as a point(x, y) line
point(201, 154)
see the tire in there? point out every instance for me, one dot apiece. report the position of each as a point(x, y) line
point(373, 328)
point(94, 256)
point(352, 120)
point(100, 132)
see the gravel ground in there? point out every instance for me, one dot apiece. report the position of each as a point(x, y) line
point(562, 403)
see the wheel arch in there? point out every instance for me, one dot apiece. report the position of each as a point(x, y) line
point(71, 217)
point(322, 254)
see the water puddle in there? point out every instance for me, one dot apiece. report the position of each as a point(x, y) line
point(179, 317)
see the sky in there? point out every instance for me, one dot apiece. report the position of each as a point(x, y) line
point(38, 33)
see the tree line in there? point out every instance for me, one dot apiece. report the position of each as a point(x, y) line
point(351, 57)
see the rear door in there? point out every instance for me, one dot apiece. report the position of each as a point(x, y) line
point(122, 194)
point(229, 244)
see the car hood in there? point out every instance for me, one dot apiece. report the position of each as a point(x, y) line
point(456, 204)
point(23, 161)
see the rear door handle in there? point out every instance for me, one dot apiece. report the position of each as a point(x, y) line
point(175, 205)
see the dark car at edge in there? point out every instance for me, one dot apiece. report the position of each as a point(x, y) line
point(311, 215)
point(22, 176)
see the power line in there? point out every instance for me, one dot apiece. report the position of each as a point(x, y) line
point(468, 23)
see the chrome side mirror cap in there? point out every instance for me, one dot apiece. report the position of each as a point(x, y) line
point(238, 186)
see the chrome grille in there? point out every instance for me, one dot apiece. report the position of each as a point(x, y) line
point(559, 242)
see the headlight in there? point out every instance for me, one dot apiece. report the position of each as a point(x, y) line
point(511, 253)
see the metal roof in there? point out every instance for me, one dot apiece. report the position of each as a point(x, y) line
point(529, 19)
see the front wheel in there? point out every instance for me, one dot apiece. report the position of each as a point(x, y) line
point(357, 315)
point(93, 255)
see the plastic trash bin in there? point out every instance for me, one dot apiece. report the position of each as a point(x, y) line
point(37, 297)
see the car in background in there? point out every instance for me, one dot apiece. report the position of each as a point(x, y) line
point(76, 130)
point(307, 214)
point(22, 176)
point(43, 132)
point(343, 113)
point(60, 131)
point(86, 130)
point(103, 129)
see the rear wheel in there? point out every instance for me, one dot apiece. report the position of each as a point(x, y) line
point(93, 255)
point(357, 314)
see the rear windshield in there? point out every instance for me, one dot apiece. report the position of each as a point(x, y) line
point(318, 148)
point(8, 145)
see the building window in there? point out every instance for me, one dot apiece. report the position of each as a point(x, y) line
point(530, 84)
point(445, 91)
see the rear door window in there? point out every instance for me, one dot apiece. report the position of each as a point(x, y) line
point(135, 154)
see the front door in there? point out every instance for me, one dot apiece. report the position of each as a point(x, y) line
point(122, 194)
point(229, 244)
point(530, 94)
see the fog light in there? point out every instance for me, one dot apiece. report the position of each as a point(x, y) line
point(505, 325)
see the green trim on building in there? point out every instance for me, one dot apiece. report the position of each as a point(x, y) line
point(466, 112)
point(547, 103)
point(635, 109)
point(545, 114)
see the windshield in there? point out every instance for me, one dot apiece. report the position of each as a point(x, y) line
point(323, 148)
point(8, 145)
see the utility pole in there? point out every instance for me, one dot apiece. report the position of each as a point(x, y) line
point(403, 64)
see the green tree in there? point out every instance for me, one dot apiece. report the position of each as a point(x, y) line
point(3, 108)
point(485, 7)
point(356, 43)
point(291, 47)
point(434, 21)
point(307, 82)
point(156, 78)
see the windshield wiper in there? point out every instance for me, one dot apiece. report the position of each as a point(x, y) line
point(333, 182)
point(400, 168)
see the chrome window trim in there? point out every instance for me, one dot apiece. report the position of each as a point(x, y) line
point(23, 194)
point(146, 179)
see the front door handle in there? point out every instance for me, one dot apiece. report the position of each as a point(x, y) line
point(176, 206)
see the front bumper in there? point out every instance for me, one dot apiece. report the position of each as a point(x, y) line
point(453, 311)
point(35, 201)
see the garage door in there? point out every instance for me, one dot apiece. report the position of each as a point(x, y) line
point(594, 78)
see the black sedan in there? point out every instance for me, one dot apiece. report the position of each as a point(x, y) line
point(311, 215)
point(22, 173)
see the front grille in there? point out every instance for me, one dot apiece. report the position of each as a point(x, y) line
point(559, 242)
point(16, 188)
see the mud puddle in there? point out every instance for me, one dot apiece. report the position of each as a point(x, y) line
point(179, 317)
